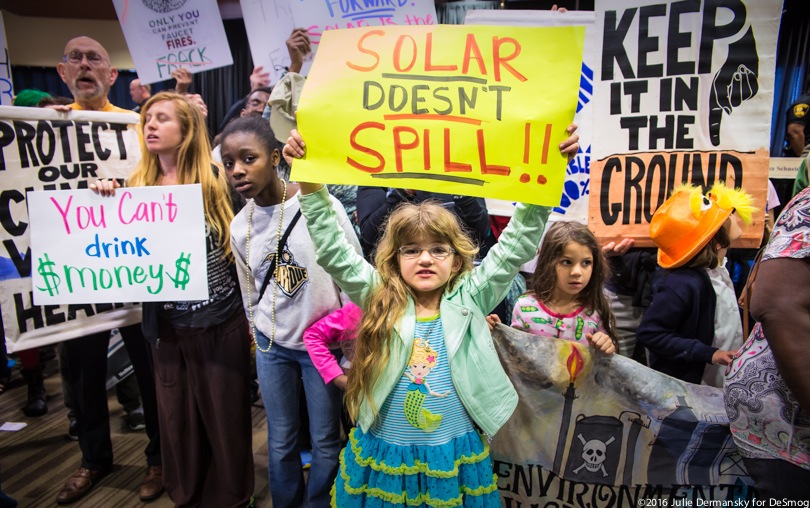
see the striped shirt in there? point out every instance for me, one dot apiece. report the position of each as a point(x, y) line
point(426, 410)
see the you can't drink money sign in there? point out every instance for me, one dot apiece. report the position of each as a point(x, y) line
point(143, 244)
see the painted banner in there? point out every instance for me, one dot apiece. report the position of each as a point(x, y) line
point(41, 149)
point(592, 431)
point(269, 22)
point(574, 201)
point(683, 93)
point(457, 109)
point(6, 87)
point(164, 35)
point(87, 248)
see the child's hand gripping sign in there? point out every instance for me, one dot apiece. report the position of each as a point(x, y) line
point(472, 110)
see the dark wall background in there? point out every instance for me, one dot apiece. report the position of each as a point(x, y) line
point(222, 87)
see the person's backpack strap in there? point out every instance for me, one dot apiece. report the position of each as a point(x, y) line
point(282, 244)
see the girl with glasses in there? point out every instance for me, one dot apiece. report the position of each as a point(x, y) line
point(426, 387)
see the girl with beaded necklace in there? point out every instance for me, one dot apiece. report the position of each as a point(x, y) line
point(424, 311)
point(284, 292)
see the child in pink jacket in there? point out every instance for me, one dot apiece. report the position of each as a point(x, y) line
point(339, 326)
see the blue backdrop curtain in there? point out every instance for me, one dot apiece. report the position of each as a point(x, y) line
point(792, 64)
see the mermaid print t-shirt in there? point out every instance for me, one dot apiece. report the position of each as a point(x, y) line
point(424, 408)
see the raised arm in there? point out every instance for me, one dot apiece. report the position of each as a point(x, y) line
point(298, 46)
point(295, 149)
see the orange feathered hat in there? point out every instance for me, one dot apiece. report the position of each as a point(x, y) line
point(685, 222)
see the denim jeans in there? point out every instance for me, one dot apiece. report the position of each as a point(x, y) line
point(279, 372)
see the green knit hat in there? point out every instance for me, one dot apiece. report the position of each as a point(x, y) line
point(30, 97)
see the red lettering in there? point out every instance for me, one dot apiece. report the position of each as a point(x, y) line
point(399, 145)
point(488, 169)
point(527, 138)
point(472, 47)
point(364, 149)
point(501, 60)
point(450, 166)
point(546, 141)
point(429, 52)
point(426, 150)
point(367, 51)
point(398, 53)
point(179, 43)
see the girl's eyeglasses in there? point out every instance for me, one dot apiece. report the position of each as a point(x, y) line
point(439, 252)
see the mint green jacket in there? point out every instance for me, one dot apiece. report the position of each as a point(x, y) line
point(479, 379)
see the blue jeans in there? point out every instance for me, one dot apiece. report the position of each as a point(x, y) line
point(279, 372)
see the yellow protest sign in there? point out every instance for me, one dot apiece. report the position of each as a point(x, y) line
point(473, 110)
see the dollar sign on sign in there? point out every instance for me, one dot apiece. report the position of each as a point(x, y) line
point(50, 278)
point(181, 276)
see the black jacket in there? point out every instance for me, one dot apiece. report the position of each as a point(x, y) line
point(678, 327)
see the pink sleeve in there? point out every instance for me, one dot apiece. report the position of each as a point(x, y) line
point(517, 316)
point(326, 331)
point(600, 324)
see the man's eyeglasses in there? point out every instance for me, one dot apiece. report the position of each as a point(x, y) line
point(439, 252)
point(76, 57)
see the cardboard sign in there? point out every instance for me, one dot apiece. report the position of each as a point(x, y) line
point(41, 149)
point(165, 35)
point(683, 93)
point(472, 110)
point(87, 248)
point(269, 22)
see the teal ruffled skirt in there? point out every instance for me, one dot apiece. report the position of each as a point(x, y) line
point(374, 473)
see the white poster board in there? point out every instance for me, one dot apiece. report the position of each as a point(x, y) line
point(683, 94)
point(143, 244)
point(42, 149)
point(165, 35)
point(270, 22)
point(6, 87)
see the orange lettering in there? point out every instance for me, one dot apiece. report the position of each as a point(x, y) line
point(429, 52)
point(426, 150)
point(367, 51)
point(488, 169)
point(364, 149)
point(398, 53)
point(472, 47)
point(499, 60)
point(546, 141)
point(399, 146)
point(450, 166)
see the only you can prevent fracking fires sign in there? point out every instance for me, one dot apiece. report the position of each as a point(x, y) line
point(143, 244)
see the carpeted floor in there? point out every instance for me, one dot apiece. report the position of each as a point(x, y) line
point(36, 461)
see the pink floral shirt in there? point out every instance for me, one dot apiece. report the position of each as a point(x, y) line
point(532, 316)
point(764, 415)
